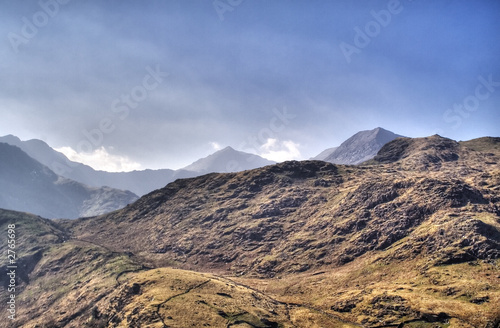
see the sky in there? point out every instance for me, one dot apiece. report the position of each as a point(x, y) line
point(124, 85)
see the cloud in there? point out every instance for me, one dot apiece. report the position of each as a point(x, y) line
point(216, 146)
point(224, 78)
point(101, 159)
point(279, 151)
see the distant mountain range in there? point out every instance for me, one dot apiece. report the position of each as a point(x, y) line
point(409, 239)
point(359, 148)
point(29, 186)
point(74, 189)
point(139, 182)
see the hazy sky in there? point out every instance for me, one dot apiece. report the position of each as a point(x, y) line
point(159, 84)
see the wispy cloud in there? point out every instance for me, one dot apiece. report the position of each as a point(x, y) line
point(279, 151)
point(225, 76)
point(215, 145)
point(101, 159)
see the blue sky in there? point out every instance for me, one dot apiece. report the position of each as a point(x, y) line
point(158, 84)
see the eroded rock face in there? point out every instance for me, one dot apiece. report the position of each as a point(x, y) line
point(297, 216)
point(424, 151)
point(361, 147)
point(377, 244)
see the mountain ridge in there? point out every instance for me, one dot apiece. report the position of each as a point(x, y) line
point(140, 182)
point(222, 190)
point(29, 186)
point(324, 154)
point(410, 241)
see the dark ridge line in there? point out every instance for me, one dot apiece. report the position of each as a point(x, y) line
point(143, 267)
point(287, 304)
point(157, 311)
point(95, 244)
point(82, 311)
point(237, 322)
point(421, 319)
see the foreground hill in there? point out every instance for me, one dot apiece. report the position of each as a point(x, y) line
point(27, 185)
point(410, 239)
point(303, 215)
point(434, 204)
point(64, 282)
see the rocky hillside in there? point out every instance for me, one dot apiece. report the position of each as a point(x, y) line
point(410, 239)
point(64, 282)
point(303, 215)
point(26, 185)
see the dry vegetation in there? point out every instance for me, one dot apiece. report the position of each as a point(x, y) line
point(409, 239)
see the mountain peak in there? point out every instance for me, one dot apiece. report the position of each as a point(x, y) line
point(361, 147)
point(10, 139)
point(227, 160)
point(226, 149)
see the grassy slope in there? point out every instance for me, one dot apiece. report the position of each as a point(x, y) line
point(80, 284)
point(56, 278)
point(381, 245)
point(179, 298)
